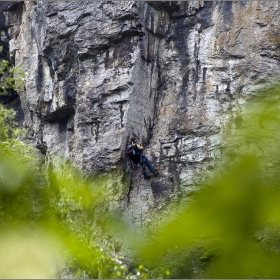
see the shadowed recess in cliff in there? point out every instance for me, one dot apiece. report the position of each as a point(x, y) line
point(205, 15)
point(225, 9)
point(61, 113)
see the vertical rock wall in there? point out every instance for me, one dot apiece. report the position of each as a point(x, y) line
point(171, 73)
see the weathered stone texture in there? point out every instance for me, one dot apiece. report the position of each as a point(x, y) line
point(171, 73)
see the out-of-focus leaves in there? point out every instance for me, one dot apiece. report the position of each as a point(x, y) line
point(51, 220)
point(28, 253)
point(241, 198)
point(11, 177)
point(64, 216)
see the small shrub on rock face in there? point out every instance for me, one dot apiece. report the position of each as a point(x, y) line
point(10, 78)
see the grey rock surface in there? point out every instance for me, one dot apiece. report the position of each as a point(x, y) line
point(173, 74)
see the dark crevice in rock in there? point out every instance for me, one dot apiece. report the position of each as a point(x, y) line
point(14, 7)
point(15, 104)
point(183, 104)
point(60, 114)
point(9, 25)
point(63, 121)
point(9, 97)
point(204, 14)
point(159, 91)
point(169, 6)
point(121, 113)
point(39, 77)
point(42, 147)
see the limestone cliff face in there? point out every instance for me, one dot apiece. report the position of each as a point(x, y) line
point(171, 73)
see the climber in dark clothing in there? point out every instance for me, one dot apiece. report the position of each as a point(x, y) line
point(135, 153)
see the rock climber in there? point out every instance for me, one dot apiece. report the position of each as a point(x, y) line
point(135, 154)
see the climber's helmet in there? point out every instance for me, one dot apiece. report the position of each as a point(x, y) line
point(133, 140)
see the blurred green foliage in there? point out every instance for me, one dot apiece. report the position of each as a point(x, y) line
point(236, 217)
point(51, 222)
point(55, 223)
point(50, 219)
